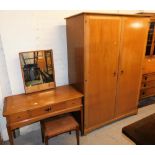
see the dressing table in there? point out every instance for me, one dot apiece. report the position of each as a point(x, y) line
point(41, 99)
point(24, 109)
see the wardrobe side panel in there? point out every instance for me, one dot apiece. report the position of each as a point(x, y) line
point(75, 46)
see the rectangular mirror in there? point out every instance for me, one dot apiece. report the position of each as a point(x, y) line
point(37, 70)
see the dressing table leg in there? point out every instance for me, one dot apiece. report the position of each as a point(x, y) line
point(82, 122)
point(10, 134)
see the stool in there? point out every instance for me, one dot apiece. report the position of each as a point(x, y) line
point(56, 126)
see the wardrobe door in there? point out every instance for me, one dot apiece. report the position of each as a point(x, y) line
point(101, 60)
point(133, 44)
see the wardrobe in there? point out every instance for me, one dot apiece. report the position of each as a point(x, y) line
point(105, 55)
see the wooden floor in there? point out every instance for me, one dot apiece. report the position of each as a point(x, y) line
point(108, 135)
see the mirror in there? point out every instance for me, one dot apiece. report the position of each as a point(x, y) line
point(37, 70)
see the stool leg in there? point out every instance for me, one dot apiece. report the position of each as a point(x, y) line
point(42, 131)
point(77, 136)
point(70, 132)
point(46, 141)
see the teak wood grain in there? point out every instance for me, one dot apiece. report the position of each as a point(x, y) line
point(113, 52)
point(75, 32)
point(101, 77)
point(149, 65)
point(25, 102)
point(25, 109)
point(130, 64)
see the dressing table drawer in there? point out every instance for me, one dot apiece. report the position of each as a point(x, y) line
point(19, 117)
point(44, 110)
point(56, 107)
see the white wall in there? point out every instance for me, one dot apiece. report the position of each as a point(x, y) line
point(32, 30)
point(1, 119)
point(35, 30)
point(4, 88)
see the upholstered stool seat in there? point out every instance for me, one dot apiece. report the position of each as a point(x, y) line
point(56, 126)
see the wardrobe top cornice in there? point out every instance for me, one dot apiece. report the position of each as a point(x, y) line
point(109, 14)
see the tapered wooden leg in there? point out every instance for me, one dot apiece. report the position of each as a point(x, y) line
point(16, 133)
point(46, 140)
point(42, 131)
point(82, 122)
point(77, 136)
point(70, 132)
point(10, 134)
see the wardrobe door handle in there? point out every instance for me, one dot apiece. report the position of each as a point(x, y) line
point(122, 72)
point(114, 74)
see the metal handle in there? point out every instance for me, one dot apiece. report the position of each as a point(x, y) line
point(114, 74)
point(145, 85)
point(145, 77)
point(122, 72)
point(48, 109)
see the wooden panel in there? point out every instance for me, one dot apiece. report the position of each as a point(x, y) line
point(148, 77)
point(147, 84)
point(43, 110)
point(102, 34)
point(108, 14)
point(75, 44)
point(147, 92)
point(55, 107)
point(134, 37)
point(25, 102)
point(149, 65)
point(18, 124)
point(40, 87)
point(18, 117)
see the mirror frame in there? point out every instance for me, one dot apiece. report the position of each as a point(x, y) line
point(38, 87)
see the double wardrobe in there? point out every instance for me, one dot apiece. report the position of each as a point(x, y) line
point(105, 57)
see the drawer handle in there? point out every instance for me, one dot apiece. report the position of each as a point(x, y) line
point(143, 93)
point(144, 85)
point(122, 72)
point(48, 109)
point(145, 78)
